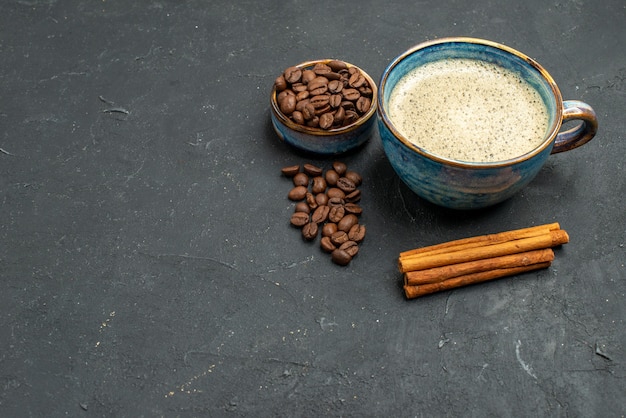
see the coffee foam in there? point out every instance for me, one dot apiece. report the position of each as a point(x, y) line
point(468, 110)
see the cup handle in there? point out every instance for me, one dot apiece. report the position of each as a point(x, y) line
point(578, 135)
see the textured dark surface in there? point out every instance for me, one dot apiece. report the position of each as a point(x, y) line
point(147, 263)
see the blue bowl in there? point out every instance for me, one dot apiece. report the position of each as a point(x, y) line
point(324, 141)
point(459, 184)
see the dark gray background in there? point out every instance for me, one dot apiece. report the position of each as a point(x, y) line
point(146, 259)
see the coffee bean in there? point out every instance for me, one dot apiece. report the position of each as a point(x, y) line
point(308, 111)
point(351, 247)
point(347, 222)
point(336, 213)
point(319, 101)
point(339, 237)
point(288, 104)
point(299, 219)
point(307, 76)
point(326, 120)
point(302, 207)
point(335, 101)
point(337, 65)
point(312, 170)
point(321, 69)
point(290, 171)
point(319, 111)
point(297, 117)
point(350, 94)
point(297, 193)
point(335, 201)
point(341, 257)
point(314, 122)
point(318, 185)
point(346, 185)
point(321, 199)
point(292, 75)
point(331, 177)
point(283, 94)
point(300, 179)
point(339, 116)
point(335, 86)
point(311, 201)
point(363, 104)
point(357, 233)
point(309, 231)
point(353, 208)
point(327, 245)
point(347, 105)
point(351, 117)
point(335, 192)
point(280, 83)
point(353, 196)
point(303, 95)
point(356, 80)
point(321, 214)
point(354, 176)
point(340, 168)
point(329, 229)
point(298, 88)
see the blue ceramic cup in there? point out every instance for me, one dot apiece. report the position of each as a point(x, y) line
point(460, 184)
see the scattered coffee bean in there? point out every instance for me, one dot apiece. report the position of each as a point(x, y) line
point(356, 233)
point(351, 247)
point(290, 171)
point(326, 96)
point(335, 192)
point(319, 185)
point(320, 215)
point(309, 231)
point(312, 170)
point(347, 222)
point(299, 219)
point(340, 168)
point(346, 185)
point(297, 193)
point(326, 202)
point(353, 196)
point(353, 208)
point(339, 237)
point(336, 213)
point(335, 201)
point(321, 199)
point(311, 201)
point(331, 177)
point(354, 176)
point(303, 207)
point(328, 229)
point(341, 257)
point(327, 245)
point(300, 179)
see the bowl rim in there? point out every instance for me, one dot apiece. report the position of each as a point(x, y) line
point(319, 131)
point(550, 133)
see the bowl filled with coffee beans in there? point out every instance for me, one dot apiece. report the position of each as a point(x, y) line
point(324, 107)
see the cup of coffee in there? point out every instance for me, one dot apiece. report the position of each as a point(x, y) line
point(466, 123)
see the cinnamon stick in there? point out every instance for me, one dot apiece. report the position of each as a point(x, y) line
point(481, 240)
point(425, 289)
point(414, 262)
point(439, 274)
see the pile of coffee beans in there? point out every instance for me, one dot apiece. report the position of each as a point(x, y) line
point(325, 96)
point(327, 205)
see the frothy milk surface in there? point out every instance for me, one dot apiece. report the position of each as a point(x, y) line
point(468, 110)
